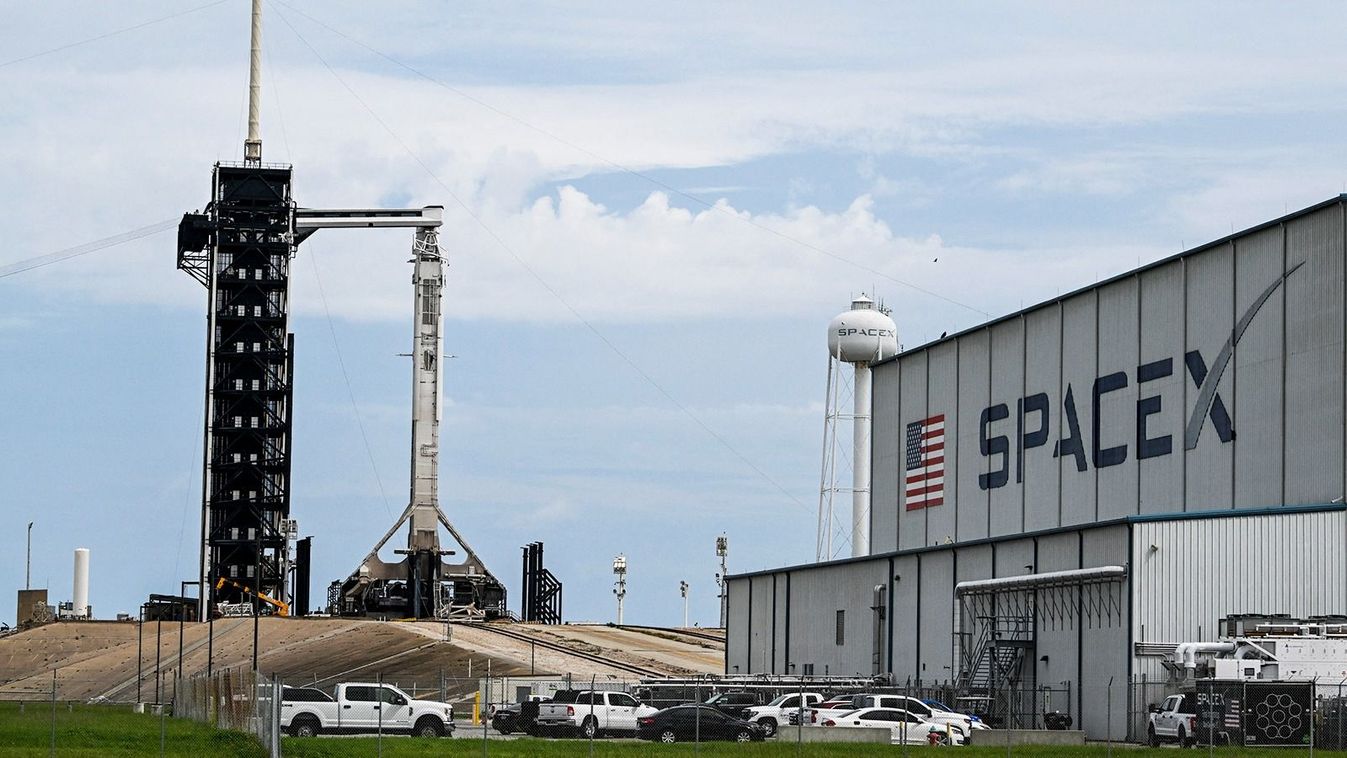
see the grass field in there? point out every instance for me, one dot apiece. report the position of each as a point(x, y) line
point(111, 732)
point(114, 732)
point(411, 748)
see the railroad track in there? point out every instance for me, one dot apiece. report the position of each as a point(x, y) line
point(673, 630)
point(594, 657)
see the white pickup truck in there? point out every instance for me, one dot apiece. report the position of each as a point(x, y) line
point(362, 707)
point(1173, 721)
point(772, 715)
point(592, 713)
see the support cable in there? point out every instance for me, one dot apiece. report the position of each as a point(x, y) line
point(112, 33)
point(29, 264)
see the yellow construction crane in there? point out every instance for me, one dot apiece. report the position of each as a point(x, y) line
point(282, 607)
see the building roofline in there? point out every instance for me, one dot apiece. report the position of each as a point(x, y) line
point(1339, 199)
point(1124, 521)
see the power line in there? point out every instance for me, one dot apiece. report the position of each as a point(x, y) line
point(627, 169)
point(113, 33)
point(543, 282)
point(89, 247)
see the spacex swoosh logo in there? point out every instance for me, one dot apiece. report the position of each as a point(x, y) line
point(1208, 402)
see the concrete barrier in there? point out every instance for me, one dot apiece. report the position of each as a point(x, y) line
point(867, 734)
point(993, 737)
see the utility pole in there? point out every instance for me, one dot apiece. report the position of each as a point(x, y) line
point(28, 573)
point(722, 580)
point(683, 588)
point(620, 569)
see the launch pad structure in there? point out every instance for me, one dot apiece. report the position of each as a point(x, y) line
point(240, 249)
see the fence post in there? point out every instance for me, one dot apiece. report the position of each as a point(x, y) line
point(161, 730)
point(1108, 717)
point(696, 719)
point(907, 687)
point(53, 713)
point(1314, 702)
point(483, 706)
point(799, 729)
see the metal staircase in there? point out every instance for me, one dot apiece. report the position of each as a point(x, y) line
point(991, 664)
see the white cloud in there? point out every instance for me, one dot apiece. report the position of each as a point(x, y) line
point(124, 148)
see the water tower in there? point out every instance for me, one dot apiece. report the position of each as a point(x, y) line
point(861, 336)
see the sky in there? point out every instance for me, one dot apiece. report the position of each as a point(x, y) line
point(651, 214)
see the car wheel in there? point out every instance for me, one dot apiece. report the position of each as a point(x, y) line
point(1184, 741)
point(1152, 738)
point(304, 727)
point(428, 727)
point(743, 736)
point(768, 726)
point(590, 728)
point(668, 737)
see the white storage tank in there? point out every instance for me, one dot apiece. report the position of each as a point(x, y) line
point(81, 596)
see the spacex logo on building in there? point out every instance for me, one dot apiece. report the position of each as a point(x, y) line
point(1032, 414)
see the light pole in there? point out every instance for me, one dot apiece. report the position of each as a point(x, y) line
point(28, 572)
point(620, 569)
point(683, 588)
point(722, 580)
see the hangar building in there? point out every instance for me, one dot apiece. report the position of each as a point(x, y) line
point(1062, 495)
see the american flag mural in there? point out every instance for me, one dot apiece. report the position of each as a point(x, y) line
point(925, 463)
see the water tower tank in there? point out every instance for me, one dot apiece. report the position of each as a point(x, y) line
point(863, 334)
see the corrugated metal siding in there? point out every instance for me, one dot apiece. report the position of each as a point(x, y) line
point(1119, 338)
point(1043, 373)
point(1105, 639)
point(944, 397)
point(912, 524)
point(1162, 330)
point(1283, 389)
point(1006, 504)
point(1203, 569)
point(779, 662)
point(739, 630)
point(760, 657)
point(1060, 643)
point(1258, 372)
point(815, 597)
point(887, 457)
point(1314, 359)
point(973, 387)
point(1210, 317)
point(937, 615)
point(1080, 363)
point(905, 616)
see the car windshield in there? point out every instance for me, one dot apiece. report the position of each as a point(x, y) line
point(846, 714)
point(936, 704)
point(778, 700)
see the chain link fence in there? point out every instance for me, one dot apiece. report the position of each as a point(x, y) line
point(237, 713)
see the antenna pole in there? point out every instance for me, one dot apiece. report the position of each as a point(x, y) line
point(252, 147)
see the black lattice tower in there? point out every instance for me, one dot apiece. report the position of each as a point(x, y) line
point(241, 249)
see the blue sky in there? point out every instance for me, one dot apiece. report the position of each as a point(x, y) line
point(704, 185)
